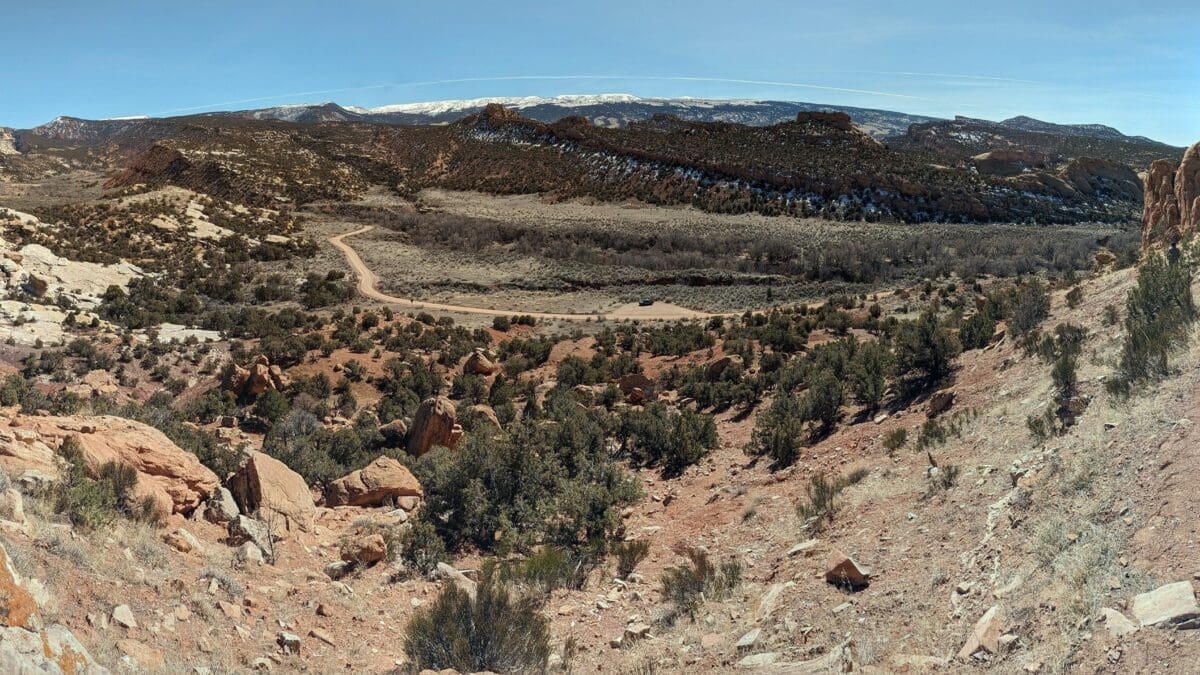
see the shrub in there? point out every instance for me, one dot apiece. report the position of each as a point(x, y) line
point(778, 432)
point(895, 439)
point(1158, 313)
point(868, 373)
point(688, 585)
point(822, 495)
point(1074, 297)
point(93, 504)
point(976, 331)
point(943, 479)
point(502, 324)
point(534, 484)
point(823, 401)
point(494, 631)
point(1030, 306)
point(659, 436)
point(629, 554)
point(554, 567)
point(420, 548)
point(925, 350)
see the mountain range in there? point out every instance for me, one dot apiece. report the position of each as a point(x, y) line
point(722, 156)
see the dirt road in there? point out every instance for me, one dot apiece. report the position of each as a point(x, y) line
point(368, 286)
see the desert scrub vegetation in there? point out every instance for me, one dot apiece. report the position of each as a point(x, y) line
point(1159, 313)
point(687, 586)
point(93, 504)
point(496, 630)
point(895, 439)
point(546, 481)
point(660, 436)
point(629, 554)
point(419, 547)
point(821, 494)
point(554, 567)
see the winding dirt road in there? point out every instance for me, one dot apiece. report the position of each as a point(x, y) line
point(368, 286)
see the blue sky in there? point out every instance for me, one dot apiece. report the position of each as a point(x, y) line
point(1118, 63)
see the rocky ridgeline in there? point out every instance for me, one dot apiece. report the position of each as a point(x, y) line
point(1172, 200)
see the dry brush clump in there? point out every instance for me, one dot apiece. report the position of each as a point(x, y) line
point(687, 586)
point(494, 630)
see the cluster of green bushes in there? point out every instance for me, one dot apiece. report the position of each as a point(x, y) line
point(912, 356)
point(660, 436)
point(549, 481)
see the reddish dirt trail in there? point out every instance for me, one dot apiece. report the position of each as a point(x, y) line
point(368, 286)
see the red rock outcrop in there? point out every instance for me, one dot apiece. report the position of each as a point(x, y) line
point(250, 382)
point(434, 424)
point(1172, 200)
point(1187, 189)
point(267, 486)
point(373, 485)
point(479, 364)
point(174, 478)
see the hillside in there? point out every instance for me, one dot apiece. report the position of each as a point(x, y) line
point(964, 137)
point(818, 164)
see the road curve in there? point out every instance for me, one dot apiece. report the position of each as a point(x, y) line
point(368, 286)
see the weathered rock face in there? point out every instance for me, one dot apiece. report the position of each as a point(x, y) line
point(1187, 189)
point(267, 486)
point(26, 646)
point(434, 424)
point(171, 476)
point(1008, 161)
point(637, 388)
point(1091, 176)
point(940, 402)
point(373, 485)
point(1172, 200)
point(479, 364)
point(394, 432)
point(366, 550)
point(485, 412)
point(248, 383)
point(838, 120)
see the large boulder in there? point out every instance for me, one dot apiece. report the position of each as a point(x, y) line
point(1008, 161)
point(1171, 208)
point(720, 364)
point(394, 432)
point(479, 364)
point(843, 571)
point(172, 477)
point(266, 486)
point(251, 381)
point(368, 549)
point(434, 424)
point(373, 485)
